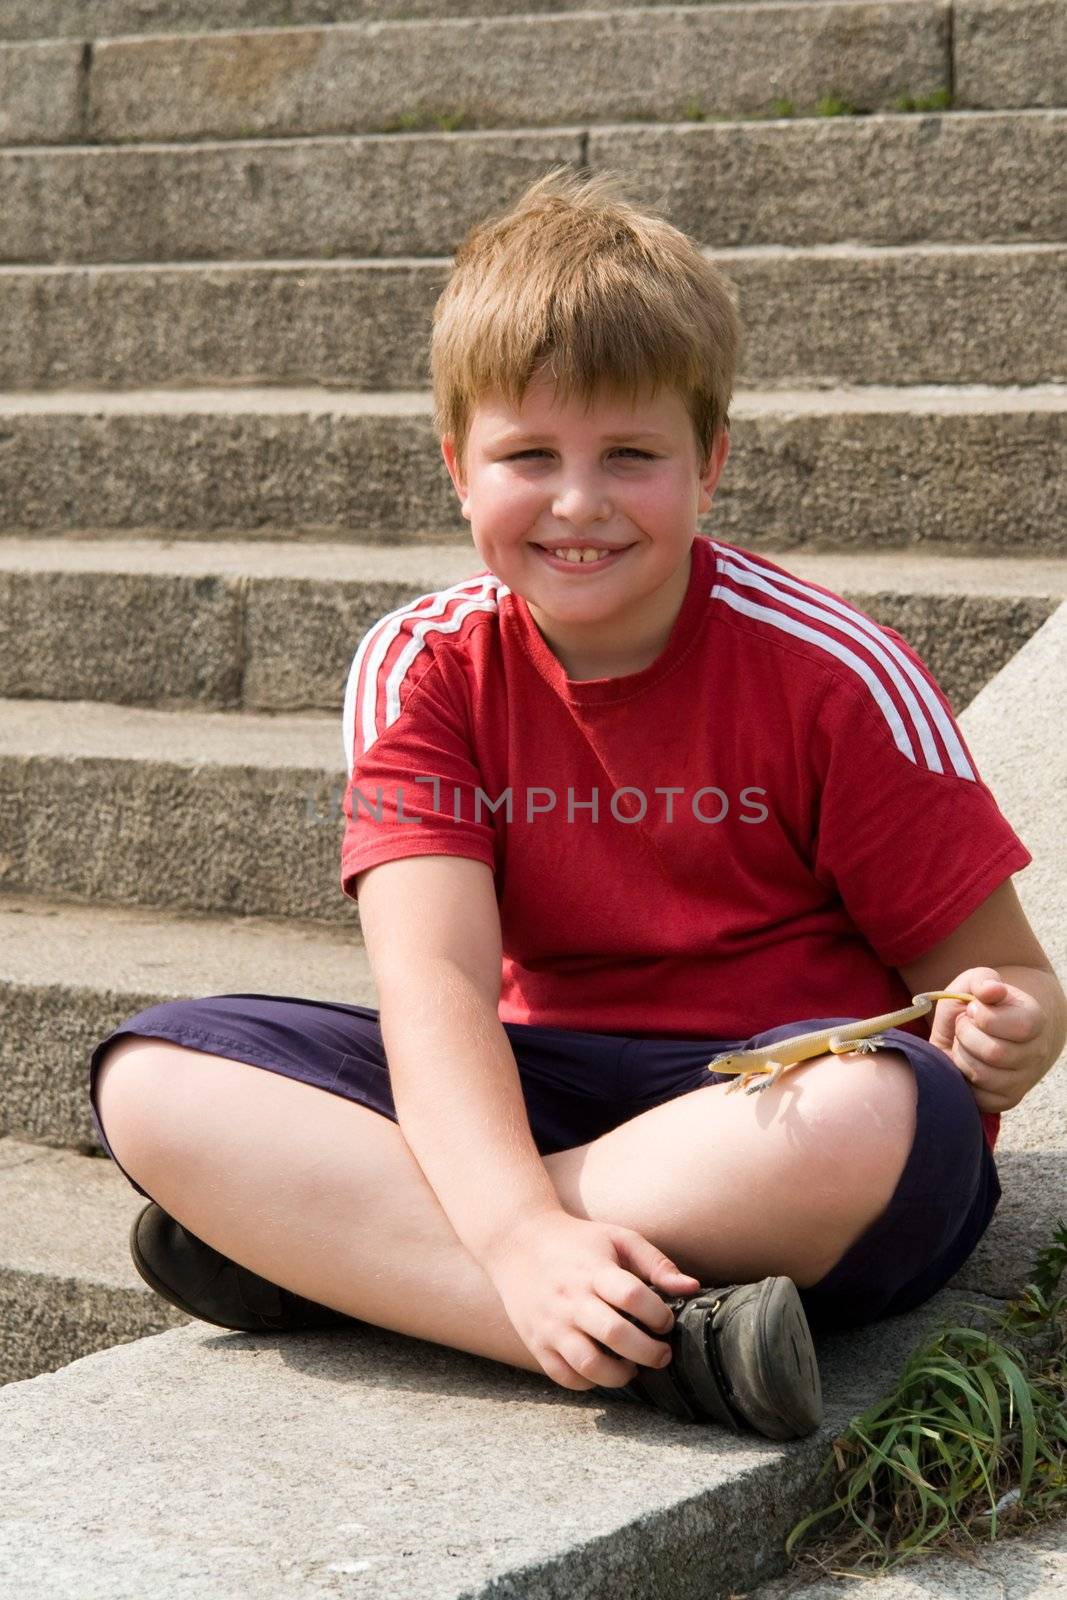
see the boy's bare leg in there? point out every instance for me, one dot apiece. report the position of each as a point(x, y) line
point(323, 1196)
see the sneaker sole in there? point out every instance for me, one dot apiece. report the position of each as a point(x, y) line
point(787, 1369)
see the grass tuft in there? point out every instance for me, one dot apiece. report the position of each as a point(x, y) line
point(939, 100)
point(427, 120)
point(831, 105)
point(974, 1438)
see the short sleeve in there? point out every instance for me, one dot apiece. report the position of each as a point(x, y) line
point(908, 834)
point(412, 773)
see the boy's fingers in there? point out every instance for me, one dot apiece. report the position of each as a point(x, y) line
point(998, 1022)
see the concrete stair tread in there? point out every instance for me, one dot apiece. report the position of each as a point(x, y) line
point(124, 950)
point(239, 399)
point(432, 564)
point(815, 317)
point(67, 1283)
point(920, 570)
point(976, 466)
point(66, 1216)
point(842, 250)
point(958, 117)
point(456, 1471)
point(375, 1410)
point(966, 175)
point(544, 67)
point(94, 730)
point(51, 19)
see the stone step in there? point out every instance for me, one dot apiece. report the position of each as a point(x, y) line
point(136, 785)
point(199, 1461)
point(665, 64)
point(543, 69)
point(813, 316)
point(982, 468)
point(273, 627)
point(69, 974)
point(1009, 52)
point(959, 177)
point(103, 19)
point(229, 812)
point(67, 1283)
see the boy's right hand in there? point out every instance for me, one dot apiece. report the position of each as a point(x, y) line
point(568, 1282)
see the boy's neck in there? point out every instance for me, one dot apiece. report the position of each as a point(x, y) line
point(634, 641)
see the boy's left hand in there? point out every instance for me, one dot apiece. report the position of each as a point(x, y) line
point(999, 1041)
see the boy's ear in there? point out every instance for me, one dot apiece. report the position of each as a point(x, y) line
point(712, 470)
point(448, 450)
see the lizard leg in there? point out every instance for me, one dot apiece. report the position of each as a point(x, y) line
point(765, 1080)
point(745, 1077)
point(841, 1047)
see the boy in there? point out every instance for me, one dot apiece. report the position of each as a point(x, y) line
point(625, 800)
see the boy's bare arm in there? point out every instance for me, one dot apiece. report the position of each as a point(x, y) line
point(432, 931)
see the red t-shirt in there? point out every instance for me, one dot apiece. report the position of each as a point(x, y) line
point(785, 808)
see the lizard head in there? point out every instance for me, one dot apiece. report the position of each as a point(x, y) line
point(722, 1063)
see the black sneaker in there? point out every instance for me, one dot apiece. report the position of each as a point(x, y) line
point(742, 1356)
point(206, 1284)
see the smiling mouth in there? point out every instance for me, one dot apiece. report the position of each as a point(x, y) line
point(603, 553)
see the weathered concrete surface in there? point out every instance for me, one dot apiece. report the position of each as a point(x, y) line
point(966, 177)
point(1014, 730)
point(240, 800)
point(661, 65)
point(103, 19)
point(386, 194)
point(963, 176)
point(1010, 52)
point(41, 99)
point(223, 1464)
point(56, 1009)
point(258, 626)
point(983, 469)
point(67, 1282)
point(813, 315)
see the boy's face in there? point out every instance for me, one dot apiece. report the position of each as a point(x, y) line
point(625, 477)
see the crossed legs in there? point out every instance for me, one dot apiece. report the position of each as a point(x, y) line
point(323, 1196)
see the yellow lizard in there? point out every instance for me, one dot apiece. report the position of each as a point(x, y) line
point(769, 1061)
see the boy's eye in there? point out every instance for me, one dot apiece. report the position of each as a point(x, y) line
point(624, 450)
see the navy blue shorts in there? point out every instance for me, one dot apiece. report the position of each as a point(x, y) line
point(579, 1085)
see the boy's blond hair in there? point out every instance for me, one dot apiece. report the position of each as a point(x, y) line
point(607, 296)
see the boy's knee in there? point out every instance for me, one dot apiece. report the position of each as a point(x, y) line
point(858, 1114)
point(863, 1110)
point(122, 1091)
point(862, 1124)
point(884, 1076)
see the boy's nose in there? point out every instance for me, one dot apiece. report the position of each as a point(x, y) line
point(581, 504)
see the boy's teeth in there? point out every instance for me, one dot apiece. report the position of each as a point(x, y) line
point(585, 554)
